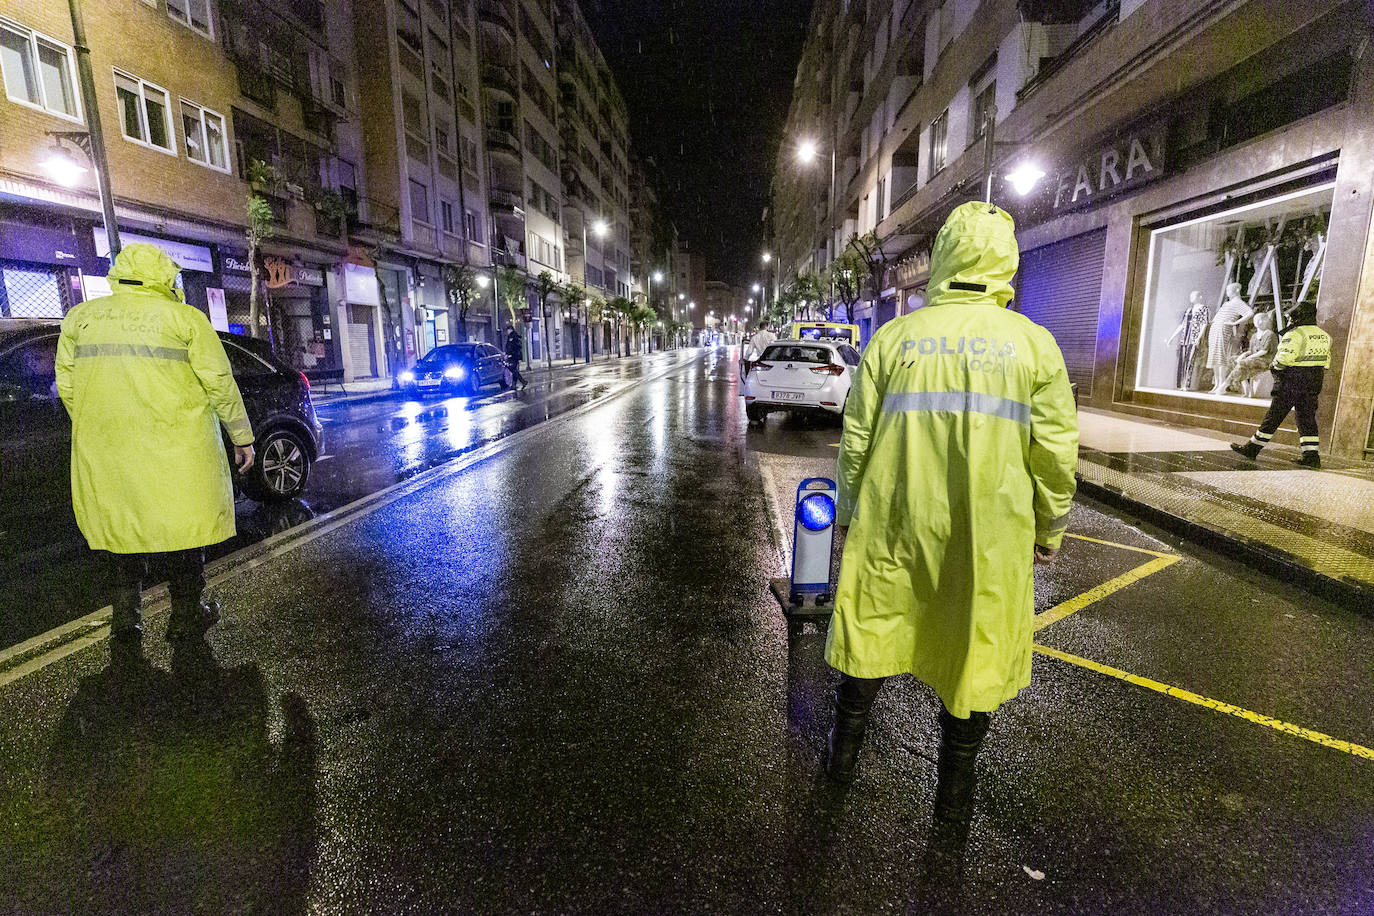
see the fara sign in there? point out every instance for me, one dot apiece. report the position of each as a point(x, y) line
point(1116, 165)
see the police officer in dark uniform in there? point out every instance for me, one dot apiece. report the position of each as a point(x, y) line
point(1304, 355)
point(515, 350)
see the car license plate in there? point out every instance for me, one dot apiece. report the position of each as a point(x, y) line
point(429, 383)
point(788, 396)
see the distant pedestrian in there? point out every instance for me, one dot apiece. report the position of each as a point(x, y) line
point(515, 351)
point(956, 474)
point(148, 386)
point(1302, 360)
point(760, 340)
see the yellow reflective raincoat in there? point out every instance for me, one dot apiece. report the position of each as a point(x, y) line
point(958, 455)
point(147, 385)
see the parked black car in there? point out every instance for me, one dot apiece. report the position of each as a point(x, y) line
point(35, 432)
point(455, 369)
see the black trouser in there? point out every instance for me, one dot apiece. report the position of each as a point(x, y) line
point(513, 364)
point(185, 570)
point(960, 740)
point(1295, 389)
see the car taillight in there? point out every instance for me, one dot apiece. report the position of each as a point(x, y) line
point(306, 381)
point(829, 370)
point(759, 364)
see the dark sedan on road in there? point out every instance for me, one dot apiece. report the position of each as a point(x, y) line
point(455, 369)
point(35, 432)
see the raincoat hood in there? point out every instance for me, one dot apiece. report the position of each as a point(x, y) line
point(145, 265)
point(974, 257)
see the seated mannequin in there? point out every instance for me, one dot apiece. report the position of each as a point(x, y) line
point(1255, 361)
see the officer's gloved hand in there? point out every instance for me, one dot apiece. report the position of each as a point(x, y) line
point(1044, 556)
point(243, 458)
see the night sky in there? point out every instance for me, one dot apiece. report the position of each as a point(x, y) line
point(708, 85)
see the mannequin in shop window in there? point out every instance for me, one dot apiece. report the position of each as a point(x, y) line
point(1255, 361)
point(1189, 334)
point(1225, 336)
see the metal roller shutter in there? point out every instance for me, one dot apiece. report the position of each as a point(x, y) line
point(1059, 286)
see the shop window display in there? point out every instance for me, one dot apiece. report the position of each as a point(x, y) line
point(1220, 291)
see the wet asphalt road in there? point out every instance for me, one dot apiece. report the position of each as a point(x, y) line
point(555, 683)
point(370, 445)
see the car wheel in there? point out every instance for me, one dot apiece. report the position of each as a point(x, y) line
point(280, 469)
point(472, 385)
point(756, 414)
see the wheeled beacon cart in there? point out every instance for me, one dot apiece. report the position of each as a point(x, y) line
point(808, 595)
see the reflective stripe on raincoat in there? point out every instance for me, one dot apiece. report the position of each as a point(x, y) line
point(958, 455)
point(147, 384)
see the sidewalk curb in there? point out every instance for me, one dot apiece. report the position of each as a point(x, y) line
point(1356, 596)
point(384, 393)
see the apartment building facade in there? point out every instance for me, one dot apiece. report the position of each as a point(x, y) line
point(190, 95)
point(1187, 146)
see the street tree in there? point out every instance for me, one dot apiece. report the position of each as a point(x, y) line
point(545, 286)
point(460, 286)
point(575, 295)
point(643, 318)
point(262, 179)
point(875, 264)
point(849, 275)
point(620, 309)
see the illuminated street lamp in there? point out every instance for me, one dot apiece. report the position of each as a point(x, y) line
point(62, 166)
point(1025, 177)
point(807, 151)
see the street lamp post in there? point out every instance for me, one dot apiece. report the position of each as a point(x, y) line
point(600, 228)
point(806, 153)
point(91, 140)
point(1026, 175)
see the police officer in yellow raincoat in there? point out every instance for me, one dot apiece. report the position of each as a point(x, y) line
point(147, 384)
point(956, 473)
point(1304, 356)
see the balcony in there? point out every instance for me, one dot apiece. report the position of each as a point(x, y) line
point(506, 202)
point(496, 13)
point(501, 78)
point(501, 141)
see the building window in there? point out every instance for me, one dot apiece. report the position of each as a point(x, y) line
point(38, 71)
point(206, 141)
point(880, 202)
point(145, 112)
point(939, 136)
point(1220, 290)
point(419, 203)
point(446, 215)
point(982, 107)
point(194, 13)
point(472, 227)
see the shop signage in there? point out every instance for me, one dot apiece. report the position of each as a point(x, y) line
point(911, 269)
point(187, 256)
point(235, 264)
point(40, 244)
point(1120, 163)
point(282, 273)
point(360, 285)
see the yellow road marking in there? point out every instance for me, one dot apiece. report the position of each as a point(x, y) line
point(1208, 703)
point(1153, 553)
point(1073, 605)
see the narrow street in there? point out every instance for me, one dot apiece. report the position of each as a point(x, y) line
point(549, 677)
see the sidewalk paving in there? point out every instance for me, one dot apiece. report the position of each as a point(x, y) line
point(1313, 526)
point(372, 388)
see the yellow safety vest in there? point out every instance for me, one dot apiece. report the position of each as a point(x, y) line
point(1306, 345)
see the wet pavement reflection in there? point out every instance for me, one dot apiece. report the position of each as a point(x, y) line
point(369, 445)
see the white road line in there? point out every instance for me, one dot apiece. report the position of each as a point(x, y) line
point(256, 555)
point(770, 494)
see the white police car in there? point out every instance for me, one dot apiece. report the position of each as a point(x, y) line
point(799, 376)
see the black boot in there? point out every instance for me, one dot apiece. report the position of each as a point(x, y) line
point(126, 621)
point(960, 740)
point(846, 737)
point(1250, 450)
point(853, 701)
point(1310, 459)
point(191, 618)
